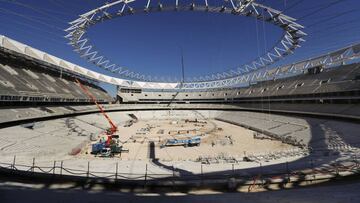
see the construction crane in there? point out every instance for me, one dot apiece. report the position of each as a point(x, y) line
point(113, 127)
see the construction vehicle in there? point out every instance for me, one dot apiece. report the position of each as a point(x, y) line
point(97, 147)
point(113, 127)
point(110, 133)
point(106, 152)
point(194, 141)
point(100, 148)
point(117, 149)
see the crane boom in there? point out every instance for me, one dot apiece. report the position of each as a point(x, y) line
point(113, 127)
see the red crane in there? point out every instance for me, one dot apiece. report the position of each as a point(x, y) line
point(113, 127)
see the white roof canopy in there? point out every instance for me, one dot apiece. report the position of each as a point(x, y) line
point(20, 48)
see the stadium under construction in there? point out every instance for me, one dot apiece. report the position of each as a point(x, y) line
point(253, 129)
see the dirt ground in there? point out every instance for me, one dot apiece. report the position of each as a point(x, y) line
point(218, 139)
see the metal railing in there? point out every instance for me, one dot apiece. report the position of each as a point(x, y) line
point(260, 176)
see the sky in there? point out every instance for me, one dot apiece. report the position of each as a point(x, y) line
point(152, 43)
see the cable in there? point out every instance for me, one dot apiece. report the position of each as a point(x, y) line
point(331, 32)
point(67, 3)
point(292, 6)
point(34, 9)
point(33, 27)
point(310, 8)
point(320, 9)
point(266, 68)
point(32, 33)
point(334, 25)
point(257, 37)
point(59, 5)
point(38, 18)
point(327, 35)
point(330, 47)
point(258, 48)
point(333, 17)
point(31, 19)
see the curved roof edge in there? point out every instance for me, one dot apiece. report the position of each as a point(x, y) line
point(29, 51)
point(351, 52)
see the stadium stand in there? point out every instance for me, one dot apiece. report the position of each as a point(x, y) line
point(49, 89)
point(25, 82)
point(333, 91)
point(332, 84)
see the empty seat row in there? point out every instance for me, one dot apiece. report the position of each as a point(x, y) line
point(40, 84)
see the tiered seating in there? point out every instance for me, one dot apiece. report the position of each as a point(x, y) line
point(288, 129)
point(36, 84)
point(332, 81)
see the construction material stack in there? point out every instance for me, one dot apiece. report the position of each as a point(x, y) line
point(194, 141)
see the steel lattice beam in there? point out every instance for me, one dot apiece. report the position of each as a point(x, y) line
point(293, 34)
